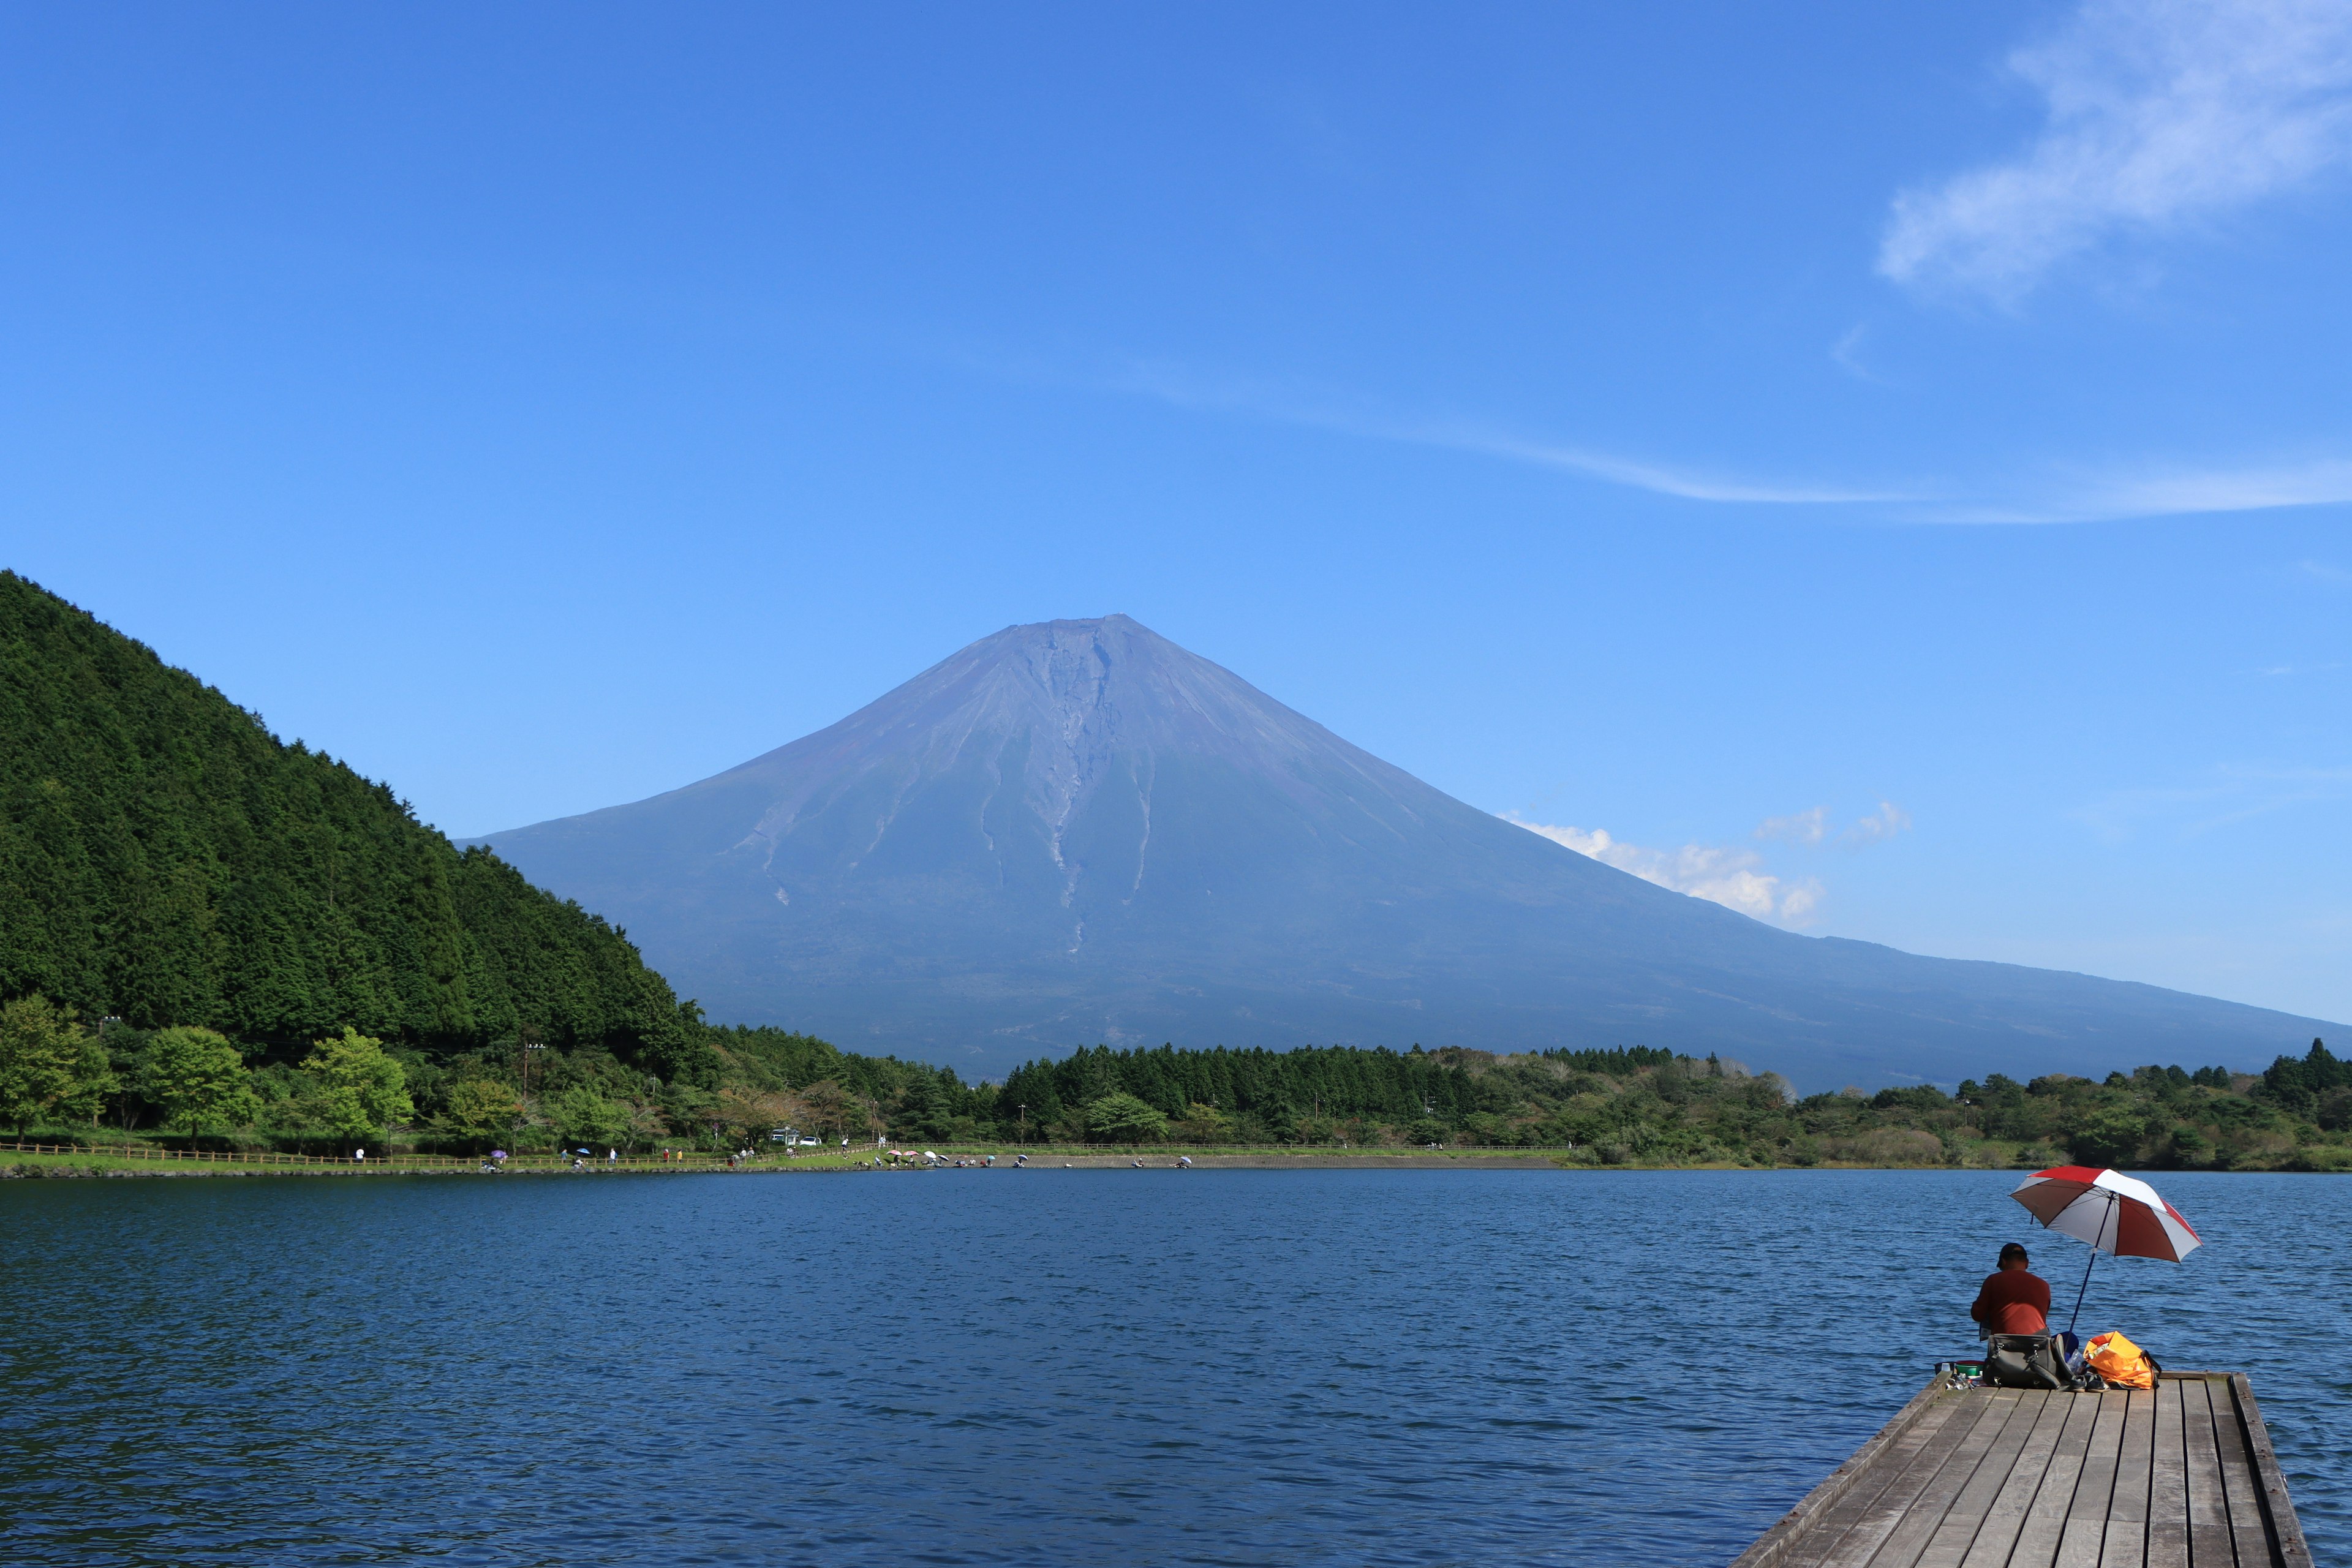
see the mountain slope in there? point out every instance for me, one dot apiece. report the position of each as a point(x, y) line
point(165, 858)
point(1078, 831)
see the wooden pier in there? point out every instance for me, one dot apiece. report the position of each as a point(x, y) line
point(2179, 1477)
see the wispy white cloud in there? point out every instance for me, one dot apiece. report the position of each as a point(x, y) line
point(1809, 826)
point(1327, 412)
point(2227, 794)
point(2121, 492)
point(2324, 572)
point(2078, 496)
point(1728, 876)
point(1877, 827)
point(2160, 112)
point(1846, 354)
point(1664, 480)
point(2164, 492)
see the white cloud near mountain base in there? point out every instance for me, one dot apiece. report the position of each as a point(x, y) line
point(2160, 112)
point(1725, 876)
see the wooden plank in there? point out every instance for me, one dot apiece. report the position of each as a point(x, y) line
point(2180, 1476)
point(2250, 1532)
point(1898, 1481)
point(1894, 1481)
point(1908, 1532)
point(2286, 1530)
point(2086, 1516)
point(2045, 1520)
point(2167, 1497)
point(1854, 1529)
point(2005, 1517)
point(1898, 1439)
point(1948, 1542)
point(2208, 1512)
point(2125, 1545)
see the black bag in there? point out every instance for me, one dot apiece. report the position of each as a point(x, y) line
point(2026, 1361)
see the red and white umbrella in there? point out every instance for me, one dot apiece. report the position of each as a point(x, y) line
point(2115, 1213)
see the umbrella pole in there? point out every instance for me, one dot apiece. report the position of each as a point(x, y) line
point(2078, 1295)
point(2086, 1268)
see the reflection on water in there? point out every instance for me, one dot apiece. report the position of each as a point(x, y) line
point(1049, 1367)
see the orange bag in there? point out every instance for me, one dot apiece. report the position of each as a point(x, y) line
point(2120, 1361)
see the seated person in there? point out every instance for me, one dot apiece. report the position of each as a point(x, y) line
point(2012, 1301)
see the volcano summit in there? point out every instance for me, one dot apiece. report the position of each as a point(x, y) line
point(1078, 831)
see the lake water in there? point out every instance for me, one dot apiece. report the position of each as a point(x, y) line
point(1079, 1367)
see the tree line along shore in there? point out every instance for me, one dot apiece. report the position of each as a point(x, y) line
point(190, 1086)
point(213, 937)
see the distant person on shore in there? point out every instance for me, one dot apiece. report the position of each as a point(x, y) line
point(2012, 1301)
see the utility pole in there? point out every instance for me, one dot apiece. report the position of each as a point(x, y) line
point(526, 1039)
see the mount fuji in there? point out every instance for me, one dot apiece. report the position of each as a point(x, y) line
point(1078, 831)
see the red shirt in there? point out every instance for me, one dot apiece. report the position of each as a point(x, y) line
point(2013, 1302)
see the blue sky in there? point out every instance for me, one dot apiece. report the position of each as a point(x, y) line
point(1885, 468)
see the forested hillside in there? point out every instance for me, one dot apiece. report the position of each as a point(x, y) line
point(165, 860)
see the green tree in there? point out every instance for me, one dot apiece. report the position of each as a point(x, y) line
point(2109, 1137)
point(922, 1110)
point(198, 1080)
point(40, 1053)
point(481, 1105)
point(831, 1108)
point(1124, 1118)
point(1202, 1124)
point(94, 1079)
point(583, 1116)
point(359, 1087)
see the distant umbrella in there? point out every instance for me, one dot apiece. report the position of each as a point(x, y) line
point(2115, 1213)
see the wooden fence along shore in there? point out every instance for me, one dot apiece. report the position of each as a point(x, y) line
point(2182, 1476)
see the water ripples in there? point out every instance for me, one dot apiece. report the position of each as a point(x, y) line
point(1048, 1367)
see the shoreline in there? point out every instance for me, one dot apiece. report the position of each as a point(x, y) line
point(34, 1167)
point(30, 1166)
